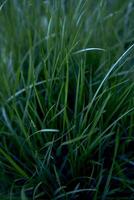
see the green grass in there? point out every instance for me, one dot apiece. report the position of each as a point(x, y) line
point(66, 99)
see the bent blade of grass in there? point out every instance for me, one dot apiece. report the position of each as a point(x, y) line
point(36, 189)
point(14, 164)
point(88, 49)
point(80, 17)
point(2, 5)
point(47, 130)
point(100, 137)
point(42, 131)
point(59, 190)
point(74, 192)
point(120, 60)
point(123, 98)
point(74, 140)
point(48, 112)
point(56, 115)
point(28, 88)
point(59, 138)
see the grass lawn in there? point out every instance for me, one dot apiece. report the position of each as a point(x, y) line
point(66, 99)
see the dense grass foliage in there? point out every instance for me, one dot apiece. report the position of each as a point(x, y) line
point(66, 99)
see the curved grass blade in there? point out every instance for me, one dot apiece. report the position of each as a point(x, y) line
point(88, 49)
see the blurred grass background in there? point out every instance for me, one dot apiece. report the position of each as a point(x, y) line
point(66, 99)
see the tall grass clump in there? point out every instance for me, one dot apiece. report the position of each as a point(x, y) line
point(66, 99)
